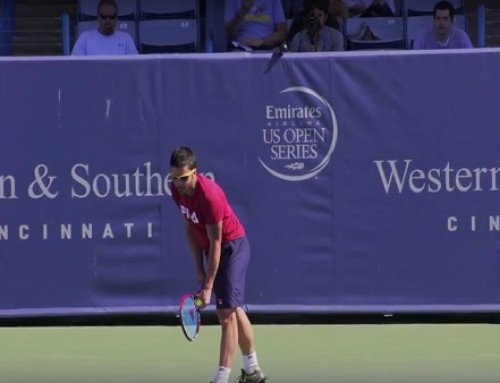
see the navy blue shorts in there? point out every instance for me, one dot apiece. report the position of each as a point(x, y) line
point(229, 285)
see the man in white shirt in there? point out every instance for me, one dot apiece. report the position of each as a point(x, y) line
point(105, 39)
point(444, 34)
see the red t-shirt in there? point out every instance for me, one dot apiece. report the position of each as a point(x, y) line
point(208, 205)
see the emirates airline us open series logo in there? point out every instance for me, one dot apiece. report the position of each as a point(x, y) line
point(300, 135)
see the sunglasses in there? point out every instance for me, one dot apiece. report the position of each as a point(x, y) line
point(108, 17)
point(184, 177)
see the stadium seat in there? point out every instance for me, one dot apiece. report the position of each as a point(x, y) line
point(168, 9)
point(168, 36)
point(389, 32)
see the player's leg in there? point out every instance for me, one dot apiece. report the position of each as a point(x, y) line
point(245, 333)
point(235, 274)
point(226, 312)
point(228, 343)
point(251, 371)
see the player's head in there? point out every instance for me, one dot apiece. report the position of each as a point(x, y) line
point(107, 13)
point(444, 16)
point(183, 170)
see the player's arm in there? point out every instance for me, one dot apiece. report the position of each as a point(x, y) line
point(214, 233)
point(195, 252)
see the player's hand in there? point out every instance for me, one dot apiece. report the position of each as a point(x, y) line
point(204, 295)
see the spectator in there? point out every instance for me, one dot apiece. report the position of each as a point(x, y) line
point(371, 8)
point(258, 24)
point(316, 36)
point(337, 13)
point(105, 39)
point(444, 34)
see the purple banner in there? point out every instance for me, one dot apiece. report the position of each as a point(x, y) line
point(367, 182)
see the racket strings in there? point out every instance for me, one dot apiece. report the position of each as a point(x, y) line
point(190, 318)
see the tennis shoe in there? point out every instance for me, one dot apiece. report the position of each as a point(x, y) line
point(257, 377)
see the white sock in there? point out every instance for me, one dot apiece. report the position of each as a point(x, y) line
point(250, 362)
point(222, 375)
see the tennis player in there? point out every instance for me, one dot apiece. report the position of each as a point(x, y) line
point(221, 253)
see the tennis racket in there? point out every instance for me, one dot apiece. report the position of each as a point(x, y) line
point(189, 316)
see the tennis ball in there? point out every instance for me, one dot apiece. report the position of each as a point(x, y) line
point(198, 302)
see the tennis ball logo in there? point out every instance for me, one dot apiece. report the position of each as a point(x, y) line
point(300, 135)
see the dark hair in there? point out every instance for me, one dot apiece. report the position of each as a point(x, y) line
point(183, 156)
point(444, 5)
point(106, 2)
point(322, 5)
